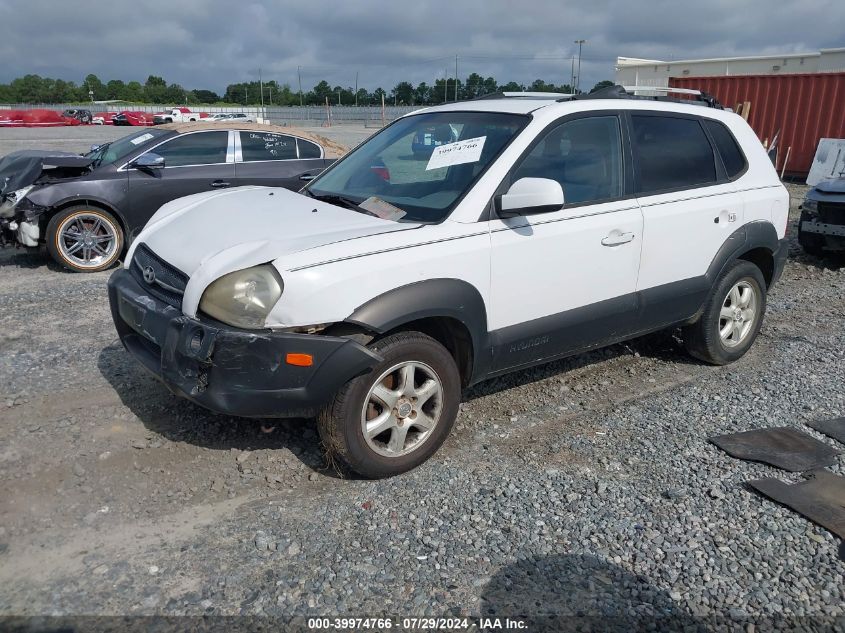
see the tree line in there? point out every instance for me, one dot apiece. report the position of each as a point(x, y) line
point(34, 89)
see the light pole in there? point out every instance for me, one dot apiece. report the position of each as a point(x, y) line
point(578, 76)
point(299, 76)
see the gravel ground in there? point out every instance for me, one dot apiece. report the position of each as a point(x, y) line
point(582, 487)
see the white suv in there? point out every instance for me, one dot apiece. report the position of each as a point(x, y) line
point(395, 279)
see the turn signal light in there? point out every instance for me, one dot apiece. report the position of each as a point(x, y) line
point(300, 360)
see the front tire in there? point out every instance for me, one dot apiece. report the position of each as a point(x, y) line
point(394, 418)
point(84, 239)
point(732, 316)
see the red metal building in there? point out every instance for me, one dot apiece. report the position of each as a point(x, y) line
point(802, 108)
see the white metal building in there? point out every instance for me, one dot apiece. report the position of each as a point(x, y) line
point(653, 72)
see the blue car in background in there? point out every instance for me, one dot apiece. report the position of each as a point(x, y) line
point(427, 139)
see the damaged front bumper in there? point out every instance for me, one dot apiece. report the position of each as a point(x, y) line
point(19, 230)
point(823, 228)
point(228, 370)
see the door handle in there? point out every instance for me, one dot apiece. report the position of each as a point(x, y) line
point(220, 183)
point(617, 239)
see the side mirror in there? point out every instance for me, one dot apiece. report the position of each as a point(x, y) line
point(148, 161)
point(530, 195)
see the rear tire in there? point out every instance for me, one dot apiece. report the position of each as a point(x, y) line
point(394, 418)
point(732, 316)
point(84, 239)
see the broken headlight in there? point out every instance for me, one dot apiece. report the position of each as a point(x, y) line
point(243, 298)
point(11, 200)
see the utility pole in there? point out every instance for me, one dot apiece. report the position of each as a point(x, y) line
point(356, 88)
point(299, 75)
point(572, 76)
point(338, 97)
point(580, 44)
point(456, 77)
point(261, 88)
point(246, 94)
point(445, 84)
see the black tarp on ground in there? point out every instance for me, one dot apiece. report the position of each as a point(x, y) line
point(821, 498)
point(832, 428)
point(783, 447)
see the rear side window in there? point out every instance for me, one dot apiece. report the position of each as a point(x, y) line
point(257, 146)
point(307, 149)
point(672, 153)
point(200, 148)
point(732, 156)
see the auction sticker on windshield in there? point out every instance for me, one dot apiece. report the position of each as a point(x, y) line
point(457, 153)
point(141, 139)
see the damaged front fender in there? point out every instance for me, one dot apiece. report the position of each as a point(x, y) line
point(28, 167)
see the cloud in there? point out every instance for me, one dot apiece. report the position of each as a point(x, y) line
point(211, 43)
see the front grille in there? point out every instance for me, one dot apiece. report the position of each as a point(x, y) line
point(832, 212)
point(170, 282)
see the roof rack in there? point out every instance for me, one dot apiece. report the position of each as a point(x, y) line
point(628, 92)
point(558, 96)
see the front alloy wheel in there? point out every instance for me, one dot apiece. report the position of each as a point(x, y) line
point(394, 418)
point(84, 239)
point(402, 409)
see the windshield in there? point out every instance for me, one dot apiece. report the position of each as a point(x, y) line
point(122, 147)
point(417, 169)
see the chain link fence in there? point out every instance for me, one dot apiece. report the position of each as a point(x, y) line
point(371, 116)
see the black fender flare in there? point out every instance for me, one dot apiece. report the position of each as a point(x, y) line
point(431, 298)
point(757, 234)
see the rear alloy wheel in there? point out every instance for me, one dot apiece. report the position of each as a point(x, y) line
point(738, 315)
point(732, 316)
point(84, 239)
point(394, 418)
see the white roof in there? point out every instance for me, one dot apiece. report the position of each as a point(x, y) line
point(526, 106)
point(513, 105)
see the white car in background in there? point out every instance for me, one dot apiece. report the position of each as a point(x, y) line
point(240, 117)
point(551, 225)
point(236, 117)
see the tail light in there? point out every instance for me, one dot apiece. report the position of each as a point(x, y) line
point(381, 170)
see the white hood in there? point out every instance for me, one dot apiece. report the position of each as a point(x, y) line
point(246, 226)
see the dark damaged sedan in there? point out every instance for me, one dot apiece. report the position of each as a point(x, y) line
point(822, 226)
point(87, 209)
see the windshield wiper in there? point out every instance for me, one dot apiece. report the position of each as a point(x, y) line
point(101, 154)
point(341, 200)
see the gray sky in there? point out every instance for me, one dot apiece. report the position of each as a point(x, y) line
point(211, 43)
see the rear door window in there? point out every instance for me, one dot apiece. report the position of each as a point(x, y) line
point(198, 148)
point(671, 153)
point(259, 146)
